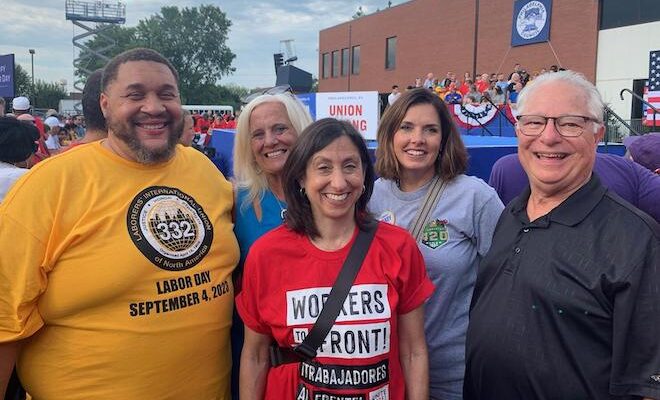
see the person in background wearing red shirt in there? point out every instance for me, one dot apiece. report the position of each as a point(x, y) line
point(465, 87)
point(196, 117)
point(21, 106)
point(218, 123)
point(231, 122)
point(188, 133)
point(202, 124)
point(483, 83)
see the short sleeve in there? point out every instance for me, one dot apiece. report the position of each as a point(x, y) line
point(636, 325)
point(248, 300)
point(487, 217)
point(648, 191)
point(22, 280)
point(415, 285)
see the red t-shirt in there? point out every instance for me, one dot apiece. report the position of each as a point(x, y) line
point(196, 119)
point(482, 86)
point(222, 124)
point(202, 125)
point(464, 89)
point(287, 279)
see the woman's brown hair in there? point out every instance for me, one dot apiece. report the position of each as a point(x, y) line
point(453, 157)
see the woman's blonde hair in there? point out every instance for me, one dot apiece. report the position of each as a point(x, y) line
point(246, 172)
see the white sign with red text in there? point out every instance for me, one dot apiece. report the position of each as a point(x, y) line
point(359, 108)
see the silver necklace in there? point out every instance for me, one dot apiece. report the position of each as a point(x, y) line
point(282, 208)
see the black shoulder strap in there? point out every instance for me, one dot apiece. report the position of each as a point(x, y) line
point(307, 349)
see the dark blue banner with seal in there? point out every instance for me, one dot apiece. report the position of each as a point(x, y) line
point(531, 22)
point(7, 85)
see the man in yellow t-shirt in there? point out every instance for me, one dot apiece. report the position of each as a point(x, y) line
point(115, 275)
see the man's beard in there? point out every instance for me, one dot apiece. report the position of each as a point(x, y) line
point(143, 154)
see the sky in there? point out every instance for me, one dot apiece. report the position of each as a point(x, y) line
point(258, 27)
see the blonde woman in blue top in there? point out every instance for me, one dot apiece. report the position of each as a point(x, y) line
point(267, 128)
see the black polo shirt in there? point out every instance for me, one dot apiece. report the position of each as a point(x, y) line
point(567, 307)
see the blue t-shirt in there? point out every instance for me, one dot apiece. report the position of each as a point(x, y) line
point(503, 85)
point(513, 97)
point(248, 228)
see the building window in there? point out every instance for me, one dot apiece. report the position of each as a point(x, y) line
point(326, 65)
point(355, 66)
point(335, 63)
point(617, 13)
point(345, 58)
point(390, 53)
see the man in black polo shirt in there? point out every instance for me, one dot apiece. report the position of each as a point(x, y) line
point(567, 301)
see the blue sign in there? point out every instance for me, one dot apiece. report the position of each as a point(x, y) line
point(531, 22)
point(7, 88)
point(309, 100)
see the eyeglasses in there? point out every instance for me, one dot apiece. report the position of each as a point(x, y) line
point(566, 125)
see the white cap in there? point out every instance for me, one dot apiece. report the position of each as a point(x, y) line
point(53, 121)
point(20, 103)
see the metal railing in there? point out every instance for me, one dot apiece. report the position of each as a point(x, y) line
point(617, 128)
point(96, 11)
point(638, 97)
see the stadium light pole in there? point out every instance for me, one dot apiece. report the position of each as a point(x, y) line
point(32, 62)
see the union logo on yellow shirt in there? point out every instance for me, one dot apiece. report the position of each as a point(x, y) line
point(169, 228)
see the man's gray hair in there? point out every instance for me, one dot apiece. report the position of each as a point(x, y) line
point(594, 102)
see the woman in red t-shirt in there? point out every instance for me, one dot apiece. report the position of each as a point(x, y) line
point(376, 348)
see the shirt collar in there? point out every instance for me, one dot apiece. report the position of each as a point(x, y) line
point(572, 210)
point(7, 165)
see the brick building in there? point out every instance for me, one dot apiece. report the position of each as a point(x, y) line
point(422, 38)
point(607, 40)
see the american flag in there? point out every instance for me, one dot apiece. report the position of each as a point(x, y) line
point(653, 89)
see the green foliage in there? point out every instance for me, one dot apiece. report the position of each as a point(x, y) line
point(122, 38)
point(215, 94)
point(44, 94)
point(47, 94)
point(23, 81)
point(193, 39)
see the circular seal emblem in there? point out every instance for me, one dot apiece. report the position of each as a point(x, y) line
point(169, 228)
point(531, 20)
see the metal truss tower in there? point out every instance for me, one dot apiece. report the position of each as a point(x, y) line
point(99, 16)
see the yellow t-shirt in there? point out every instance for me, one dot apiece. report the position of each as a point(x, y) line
point(119, 276)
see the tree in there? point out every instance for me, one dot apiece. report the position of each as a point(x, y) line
point(23, 81)
point(194, 40)
point(47, 94)
point(235, 94)
point(43, 95)
point(215, 94)
point(123, 39)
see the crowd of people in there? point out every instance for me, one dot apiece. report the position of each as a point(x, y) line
point(206, 122)
point(56, 131)
point(495, 88)
point(132, 268)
